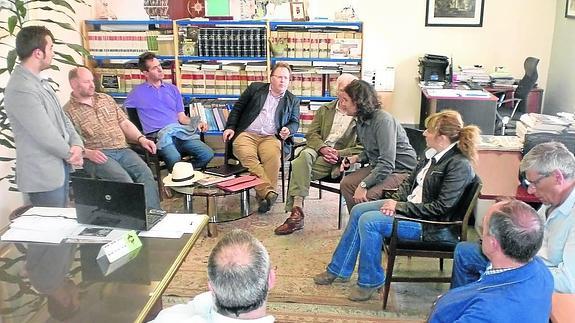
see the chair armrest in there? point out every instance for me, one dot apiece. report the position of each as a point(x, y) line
point(510, 100)
point(401, 217)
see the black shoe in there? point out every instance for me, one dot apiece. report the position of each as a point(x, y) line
point(266, 204)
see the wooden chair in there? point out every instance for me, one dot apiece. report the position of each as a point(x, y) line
point(394, 247)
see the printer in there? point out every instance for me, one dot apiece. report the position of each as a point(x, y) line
point(432, 68)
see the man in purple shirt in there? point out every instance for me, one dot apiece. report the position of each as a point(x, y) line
point(161, 112)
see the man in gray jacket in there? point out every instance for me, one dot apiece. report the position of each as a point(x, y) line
point(46, 142)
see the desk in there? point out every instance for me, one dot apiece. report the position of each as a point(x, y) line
point(130, 294)
point(473, 109)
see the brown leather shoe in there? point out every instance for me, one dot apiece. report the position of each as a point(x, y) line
point(293, 223)
point(326, 278)
point(361, 294)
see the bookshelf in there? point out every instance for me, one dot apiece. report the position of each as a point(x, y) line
point(212, 62)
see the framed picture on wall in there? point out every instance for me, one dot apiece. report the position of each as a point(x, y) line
point(454, 13)
point(297, 9)
point(570, 9)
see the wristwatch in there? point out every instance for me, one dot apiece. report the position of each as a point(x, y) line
point(362, 185)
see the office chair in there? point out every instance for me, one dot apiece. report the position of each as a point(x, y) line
point(417, 141)
point(520, 94)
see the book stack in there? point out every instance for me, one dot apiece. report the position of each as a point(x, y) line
point(220, 79)
point(129, 43)
point(232, 42)
point(214, 112)
point(540, 123)
point(311, 44)
point(122, 78)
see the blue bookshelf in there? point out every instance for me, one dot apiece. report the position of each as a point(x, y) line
point(222, 58)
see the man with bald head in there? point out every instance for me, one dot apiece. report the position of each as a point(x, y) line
point(516, 286)
point(105, 129)
point(550, 172)
point(330, 137)
point(239, 279)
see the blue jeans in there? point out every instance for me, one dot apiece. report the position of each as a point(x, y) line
point(200, 152)
point(469, 264)
point(364, 236)
point(124, 165)
point(54, 198)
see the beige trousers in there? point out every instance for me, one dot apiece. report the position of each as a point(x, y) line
point(261, 156)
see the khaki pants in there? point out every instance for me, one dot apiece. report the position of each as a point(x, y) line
point(261, 156)
point(307, 167)
point(350, 182)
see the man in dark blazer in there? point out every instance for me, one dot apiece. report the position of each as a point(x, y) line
point(264, 115)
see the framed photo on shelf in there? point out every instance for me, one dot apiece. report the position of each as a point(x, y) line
point(458, 13)
point(570, 9)
point(297, 9)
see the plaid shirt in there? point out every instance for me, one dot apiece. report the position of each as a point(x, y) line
point(98, 124)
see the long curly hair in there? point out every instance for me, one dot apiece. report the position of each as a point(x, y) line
point(363, 95)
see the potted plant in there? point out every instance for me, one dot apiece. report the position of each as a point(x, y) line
point(15, 15)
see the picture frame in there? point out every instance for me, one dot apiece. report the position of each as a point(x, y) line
point(454, 13)
point(297, 9)
point(570, 9)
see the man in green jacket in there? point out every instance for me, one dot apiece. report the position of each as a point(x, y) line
point(331, 137)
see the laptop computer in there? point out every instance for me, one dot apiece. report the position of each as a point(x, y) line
point(226, 170)
point(113, 204)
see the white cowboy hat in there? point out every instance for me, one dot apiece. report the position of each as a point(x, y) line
point(183, 174)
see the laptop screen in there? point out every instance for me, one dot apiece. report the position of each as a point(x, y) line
point(109, 203)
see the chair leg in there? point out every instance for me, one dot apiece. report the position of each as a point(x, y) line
point(159, 177)
point(339, 208)
point(283, 177)
point(319, 188)
point(441, 264)
point(388, 275)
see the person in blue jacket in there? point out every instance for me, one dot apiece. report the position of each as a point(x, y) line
point(517, 286)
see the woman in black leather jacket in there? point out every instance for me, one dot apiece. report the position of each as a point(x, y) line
point(430, 192)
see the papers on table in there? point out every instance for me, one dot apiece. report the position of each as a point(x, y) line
point(174, 226)
point(56, 225)
point(454, 93)
point(505, 143)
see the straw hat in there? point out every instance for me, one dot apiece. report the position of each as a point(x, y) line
point(183, 174)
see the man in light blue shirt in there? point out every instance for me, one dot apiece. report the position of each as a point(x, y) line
point(550, 170)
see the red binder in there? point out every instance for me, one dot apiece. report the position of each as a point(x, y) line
point(240, 183)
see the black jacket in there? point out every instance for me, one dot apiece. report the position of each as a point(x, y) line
point(444, 184)
point(251, 102)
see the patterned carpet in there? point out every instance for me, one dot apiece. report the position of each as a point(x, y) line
point(297, 258)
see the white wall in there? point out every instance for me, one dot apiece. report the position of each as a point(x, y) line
point(559, 94)
point(395, 35)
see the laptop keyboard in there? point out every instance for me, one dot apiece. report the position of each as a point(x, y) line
point(154, 216)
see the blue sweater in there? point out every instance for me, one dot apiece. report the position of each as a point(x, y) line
point(518, 295)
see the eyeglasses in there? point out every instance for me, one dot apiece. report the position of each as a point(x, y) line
point(535, 183)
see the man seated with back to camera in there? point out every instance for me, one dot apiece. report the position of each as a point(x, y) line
point(161, 112)
point(516, 286)
point(431, 192)
point(550, 170)
point(264, 114)
point(239, 279)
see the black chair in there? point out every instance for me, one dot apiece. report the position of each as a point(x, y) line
point(417, 141)
point(152, 160)
point(518, 100)
point(394, 247)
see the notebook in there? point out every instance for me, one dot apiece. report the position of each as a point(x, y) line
point(226, 170)
point(113, 204)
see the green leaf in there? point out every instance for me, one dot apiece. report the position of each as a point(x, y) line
point(45, 8)
point(3, 70)
point(11, 60)
point(68, 58)
point(12, 24)
point(21, 9)
point(55, 67)
point(64, 25)
point(61, 3)
point(79, 49)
